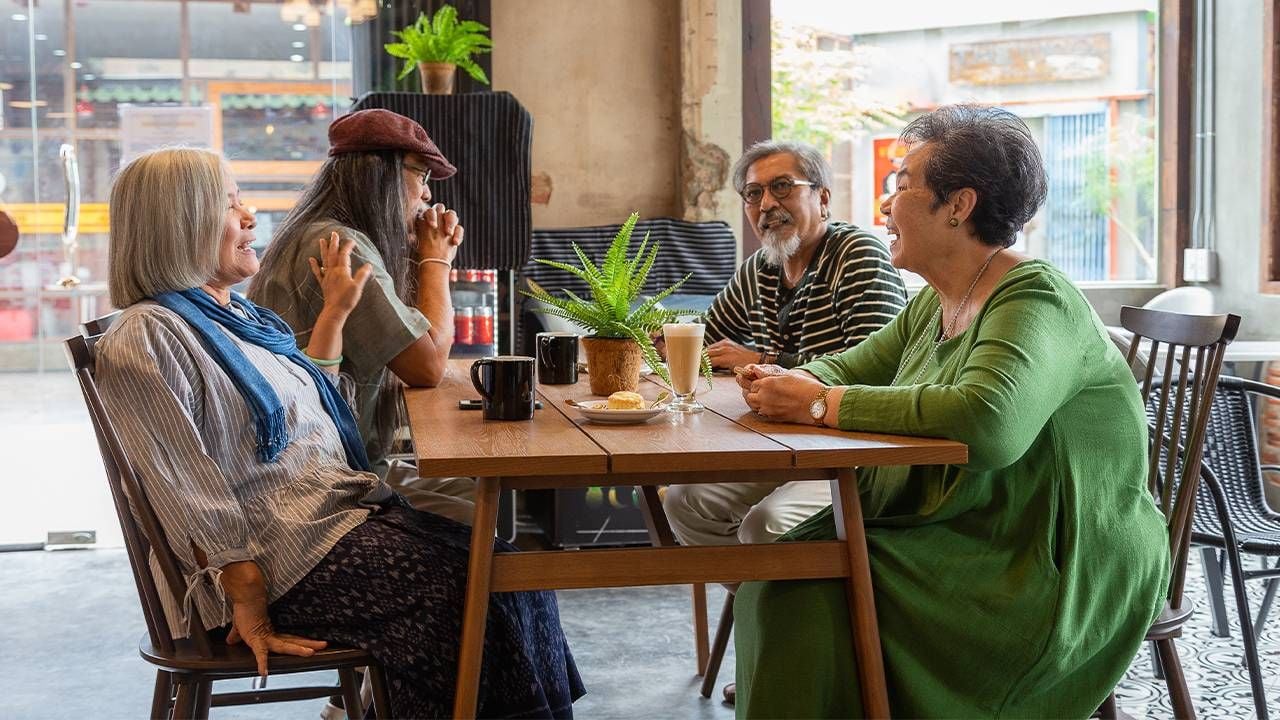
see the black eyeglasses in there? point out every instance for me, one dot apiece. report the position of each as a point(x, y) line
point(779, 188)
point(424, 172)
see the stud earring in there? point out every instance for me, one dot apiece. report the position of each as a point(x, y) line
point(953, 222)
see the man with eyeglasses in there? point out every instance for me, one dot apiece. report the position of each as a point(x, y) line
point(815, 286)
point(373, 190)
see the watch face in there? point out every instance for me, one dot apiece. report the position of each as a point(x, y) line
point(818, 408)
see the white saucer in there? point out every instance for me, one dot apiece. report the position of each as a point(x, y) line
point(597, 412)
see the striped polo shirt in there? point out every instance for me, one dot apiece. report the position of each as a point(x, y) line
point(849, 291)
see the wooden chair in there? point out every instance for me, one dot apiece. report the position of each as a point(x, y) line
point(1179, 414)
point(186, 668)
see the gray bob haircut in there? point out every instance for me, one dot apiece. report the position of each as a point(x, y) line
point(167, 212)
point(813, 164)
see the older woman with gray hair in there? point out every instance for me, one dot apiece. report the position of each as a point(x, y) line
point(257, 472)
point(1021, 583)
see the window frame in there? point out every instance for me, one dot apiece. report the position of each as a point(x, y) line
point(1174, 130)
point(1269, 282)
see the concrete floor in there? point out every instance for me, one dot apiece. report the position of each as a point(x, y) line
point(71, 623)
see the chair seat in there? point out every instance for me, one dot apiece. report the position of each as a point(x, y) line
point(1170, 621)
point(232, 661)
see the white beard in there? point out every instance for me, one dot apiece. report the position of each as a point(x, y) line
point(777, 250)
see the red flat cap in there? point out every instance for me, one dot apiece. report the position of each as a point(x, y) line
point(371, 130)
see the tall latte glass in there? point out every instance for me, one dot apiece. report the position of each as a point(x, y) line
point(684, 354)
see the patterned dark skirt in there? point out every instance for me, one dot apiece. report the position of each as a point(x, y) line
point(394, 587)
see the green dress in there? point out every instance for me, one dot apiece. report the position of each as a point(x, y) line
point(1018, 585)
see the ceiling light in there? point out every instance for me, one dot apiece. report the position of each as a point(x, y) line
point(27, 104)
point(6, 86)
point(299, 44)
point(41, 36)
point(89, 76)
point(60, 53)
point(299, 27)
point(296, 58)
point(76, 65)
point(18, 17)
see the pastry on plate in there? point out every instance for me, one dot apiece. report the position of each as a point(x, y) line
point(624, 400)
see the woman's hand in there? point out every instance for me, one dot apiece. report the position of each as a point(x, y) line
point(751, 372)
point(438, 233)
point(341, 289)
point(244, 584)
point(251, 625)
point(784, 398)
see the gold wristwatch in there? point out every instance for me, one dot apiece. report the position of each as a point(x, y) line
point(818, 408)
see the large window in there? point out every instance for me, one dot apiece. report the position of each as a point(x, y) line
point(1083, 79)
point(258, 81)
point(1271, 145)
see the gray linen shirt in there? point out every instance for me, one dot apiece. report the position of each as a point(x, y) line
point(380, 327)
point(191, 438)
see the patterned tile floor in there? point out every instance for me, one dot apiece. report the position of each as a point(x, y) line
point(1214, 667)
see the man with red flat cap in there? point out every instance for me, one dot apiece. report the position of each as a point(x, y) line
point(373, 190)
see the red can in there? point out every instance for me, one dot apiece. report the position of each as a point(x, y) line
point(453, 275)
point(483, 324)
point(464, 326)
point(471, 276)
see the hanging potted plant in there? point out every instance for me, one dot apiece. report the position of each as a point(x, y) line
point(437, 46)
point(623, 331)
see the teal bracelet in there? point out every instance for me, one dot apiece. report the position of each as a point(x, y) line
point(324, 363)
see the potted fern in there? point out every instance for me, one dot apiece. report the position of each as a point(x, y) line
point(623, 331)
point(437, 46)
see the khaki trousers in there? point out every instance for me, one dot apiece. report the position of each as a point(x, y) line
point(452, 497)
point(745, 513)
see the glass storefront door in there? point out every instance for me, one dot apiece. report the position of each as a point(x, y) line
point(85, 85)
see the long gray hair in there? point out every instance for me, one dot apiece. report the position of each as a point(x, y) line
point(365, 192)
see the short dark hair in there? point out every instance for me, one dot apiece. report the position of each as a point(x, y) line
point(991, 151)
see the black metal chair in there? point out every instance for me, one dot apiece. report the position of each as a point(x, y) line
point(186, 668)
point(1235, 519)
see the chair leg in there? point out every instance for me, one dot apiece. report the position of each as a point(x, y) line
point(381, 700)
point(1246, 631)
point(204, 700)
point(1265, 609)
point(1214, 584)
point(184, 703)
point(1157, 668)
point(351, 693)
point(1108, 710)
point(723, 629)
point(162, 697)
point(1179, 694)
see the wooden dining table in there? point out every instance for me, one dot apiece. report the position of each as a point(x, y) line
point(559, 448)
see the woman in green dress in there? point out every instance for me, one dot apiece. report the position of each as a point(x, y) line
point(1021, 583)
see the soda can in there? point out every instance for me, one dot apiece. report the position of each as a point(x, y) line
point(483, 324)
point(471, 276)
point(464, 326)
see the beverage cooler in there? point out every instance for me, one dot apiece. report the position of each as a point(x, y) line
point(476, 324)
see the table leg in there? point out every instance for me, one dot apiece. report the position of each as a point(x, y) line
point(862, 603)
point(476, 609)
point(660, 535)
point(700, 630)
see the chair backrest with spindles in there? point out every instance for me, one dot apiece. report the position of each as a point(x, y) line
point(143, 534)
point(1189, 350)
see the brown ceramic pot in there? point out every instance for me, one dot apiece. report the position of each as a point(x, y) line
point(437, 78)
point(613, 364)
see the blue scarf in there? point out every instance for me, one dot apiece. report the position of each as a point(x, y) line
point(266, 330)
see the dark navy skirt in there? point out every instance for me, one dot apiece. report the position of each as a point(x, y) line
point(394, 587)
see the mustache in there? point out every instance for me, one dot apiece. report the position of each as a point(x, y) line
point(774, 216)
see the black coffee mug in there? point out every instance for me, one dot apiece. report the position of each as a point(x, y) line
point(557, 358)
point(505, 384)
